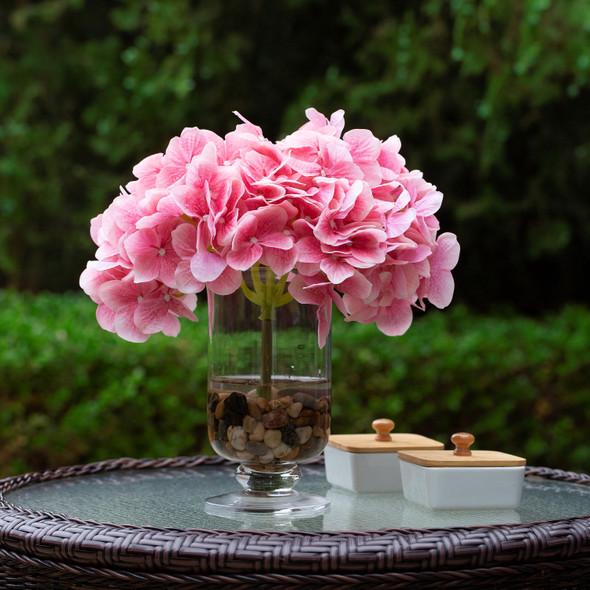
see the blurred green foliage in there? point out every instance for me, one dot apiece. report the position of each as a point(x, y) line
point(490, 100)
point(72, 393)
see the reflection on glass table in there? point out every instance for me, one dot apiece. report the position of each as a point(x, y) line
point(174, 498)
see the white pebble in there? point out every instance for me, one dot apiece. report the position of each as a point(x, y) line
point(267, 457)
point(258, 432)
point(272, 438)
point(237, 437)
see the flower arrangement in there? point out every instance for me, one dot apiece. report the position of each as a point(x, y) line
point(338, 217)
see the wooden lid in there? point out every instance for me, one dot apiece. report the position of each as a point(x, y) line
point(382, 441)
point(462, 456)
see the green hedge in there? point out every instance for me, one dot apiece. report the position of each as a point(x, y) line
point(72, 393)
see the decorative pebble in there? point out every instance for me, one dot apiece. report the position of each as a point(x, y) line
point(290, 425)
point(304, 433)
point(249, 424)
point(276, 404)
point(294, 452)
point(222, 429)
point(258, 432)
point(290, 436)
point(254, 410)
point(305, 418)
point(256, 448)
point(262, 404)
point(237, 437)
point(281, 451)
point(323, 405)
point(317, 430)
point(245, 456)
point(219, 408)
point(275, 418)
point(272, 438)
point(294, 409)
point(307, 400)
point(236, 408)
point(268, 457)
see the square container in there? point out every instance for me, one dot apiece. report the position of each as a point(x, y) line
point(456, 480)
point(369, 462)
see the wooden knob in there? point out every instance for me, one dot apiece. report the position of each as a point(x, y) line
point(462, 442)
point(383, 426)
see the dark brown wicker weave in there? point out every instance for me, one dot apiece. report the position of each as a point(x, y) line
point(46, 551)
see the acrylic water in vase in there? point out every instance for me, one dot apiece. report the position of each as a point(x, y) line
point(276, 232)
point(269, 393)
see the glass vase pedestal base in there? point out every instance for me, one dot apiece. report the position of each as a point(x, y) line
point(267, 493)
point(294, 504)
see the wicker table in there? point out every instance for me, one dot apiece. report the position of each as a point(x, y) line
point(53, 534)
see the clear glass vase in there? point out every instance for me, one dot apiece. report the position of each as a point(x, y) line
point(269, 394)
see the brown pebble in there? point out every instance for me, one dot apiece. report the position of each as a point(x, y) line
point(275, 404)
point(249, 424)
point(305, 418)
point(307, 400)
point(219, 409)
point(275, 418)
point(254, 410)
point(262, 404)
point(323, 404)
point(294, 452)
point(317, 431)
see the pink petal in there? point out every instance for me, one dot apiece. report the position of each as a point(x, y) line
point(357, 285)
point(185, 280)
point(105, 317)
point(184, 240)
point(207, 266)
point(398, 223)
point(441, 287)
point(149, 315)
point(446, 254)
point(141, 241)
point(228, 282)
point(395, 319)
point(147, 267)
point(245, 258)
point(309, 250)
point(336, 270)
point(125, 325)
point(280, 261)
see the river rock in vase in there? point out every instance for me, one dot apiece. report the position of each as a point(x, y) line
point(262, 434)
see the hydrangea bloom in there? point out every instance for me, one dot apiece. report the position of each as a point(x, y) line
point(339, 215)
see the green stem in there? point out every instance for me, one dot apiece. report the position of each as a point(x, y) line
point(267, 317)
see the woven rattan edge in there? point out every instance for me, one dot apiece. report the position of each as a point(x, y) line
point(59, 538)
point(40, 574)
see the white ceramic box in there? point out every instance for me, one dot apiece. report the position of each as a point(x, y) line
point(367, 463)
point(462, 479)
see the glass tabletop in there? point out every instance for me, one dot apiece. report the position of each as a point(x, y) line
point(174, 498)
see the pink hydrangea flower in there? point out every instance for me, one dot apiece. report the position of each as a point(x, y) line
point(339, 216)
